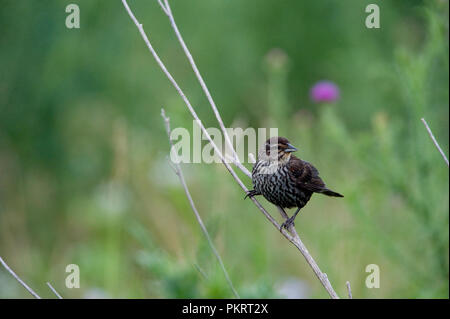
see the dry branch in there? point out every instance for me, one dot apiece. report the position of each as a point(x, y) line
point(434, 140)
point(177, 168)
point(292, 235)
point(31, 291)
point(168, 11)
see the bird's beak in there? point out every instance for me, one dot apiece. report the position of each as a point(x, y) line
point(290, 149)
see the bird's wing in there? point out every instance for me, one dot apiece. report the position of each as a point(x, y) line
point(306, 175)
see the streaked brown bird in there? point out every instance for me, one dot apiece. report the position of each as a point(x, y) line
point(284, 179)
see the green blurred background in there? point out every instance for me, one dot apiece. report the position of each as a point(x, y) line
point(84, 177)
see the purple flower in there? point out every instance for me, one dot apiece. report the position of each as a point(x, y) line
point(324, 91)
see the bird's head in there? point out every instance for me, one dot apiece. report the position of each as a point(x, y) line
point(276, 148)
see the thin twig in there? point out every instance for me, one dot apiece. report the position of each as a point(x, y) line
point(201, 272)
point(31, 291)
point(349, 289)
point(292, 236)
point(163, 7)
point(166, 8)
point(434, 140)
point(180, 175)
point(54, 291)
point(175, 84)
point(205, 89)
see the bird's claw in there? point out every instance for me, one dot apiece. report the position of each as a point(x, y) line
point(287, 224)
point(250, 194)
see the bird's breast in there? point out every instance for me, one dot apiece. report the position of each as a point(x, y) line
point(277, 185)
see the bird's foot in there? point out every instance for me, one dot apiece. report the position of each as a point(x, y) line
point(251, 193)
point(288, 223)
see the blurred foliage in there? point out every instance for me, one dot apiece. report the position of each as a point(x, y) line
point(83, 172)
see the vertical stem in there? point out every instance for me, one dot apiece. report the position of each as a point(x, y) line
point(180, 175)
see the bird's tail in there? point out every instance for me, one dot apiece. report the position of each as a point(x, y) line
point(329, 192)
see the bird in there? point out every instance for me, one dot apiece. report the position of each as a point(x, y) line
point(284, 179)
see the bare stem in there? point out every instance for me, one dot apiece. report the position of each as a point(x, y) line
point(166, 8)
point(179, 172)
point(31, 291)
point(434, 140)
point(349, 289)
point(54, 291)
point(292, 235)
